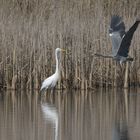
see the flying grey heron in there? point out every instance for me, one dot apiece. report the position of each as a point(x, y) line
point(51, 81)
point(121, 40)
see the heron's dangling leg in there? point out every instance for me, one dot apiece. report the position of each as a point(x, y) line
point(131, 65)
point(130, 59)
point(122, 69)
point(126, 75)
point(121, 66)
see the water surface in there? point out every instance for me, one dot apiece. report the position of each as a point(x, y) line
point(70, 115)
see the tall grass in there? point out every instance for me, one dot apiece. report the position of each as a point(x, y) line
point(30, 30)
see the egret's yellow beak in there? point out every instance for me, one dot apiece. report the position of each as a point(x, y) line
point(63, 50)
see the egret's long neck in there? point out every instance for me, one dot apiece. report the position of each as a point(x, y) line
point(57, 64)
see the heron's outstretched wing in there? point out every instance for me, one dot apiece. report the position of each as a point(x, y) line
point(126, 40)
point(116, 32)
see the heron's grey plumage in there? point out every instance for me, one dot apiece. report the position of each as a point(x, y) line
point(121, 40)
point(117, 25)
point(126, 40)
point(116, 40)
point(116, 32)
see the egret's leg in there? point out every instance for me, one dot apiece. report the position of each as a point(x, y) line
point(43, 95)
point(52, 95)
point(52, 90)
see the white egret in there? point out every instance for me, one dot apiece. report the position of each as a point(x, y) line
point(51, 81)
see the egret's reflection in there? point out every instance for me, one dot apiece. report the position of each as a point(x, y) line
point(50, 114)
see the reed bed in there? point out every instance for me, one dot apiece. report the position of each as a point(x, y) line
point(30, 30)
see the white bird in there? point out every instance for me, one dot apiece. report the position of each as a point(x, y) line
point(51, 81)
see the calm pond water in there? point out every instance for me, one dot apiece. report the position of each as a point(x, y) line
point(70, 115)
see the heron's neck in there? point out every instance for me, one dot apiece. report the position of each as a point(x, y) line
point(57, 65)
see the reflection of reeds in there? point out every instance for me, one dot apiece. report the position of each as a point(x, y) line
point(31, 30)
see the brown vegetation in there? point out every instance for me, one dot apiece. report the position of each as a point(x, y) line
point(30, 30)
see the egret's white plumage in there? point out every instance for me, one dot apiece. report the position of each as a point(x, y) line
point(51, 81)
